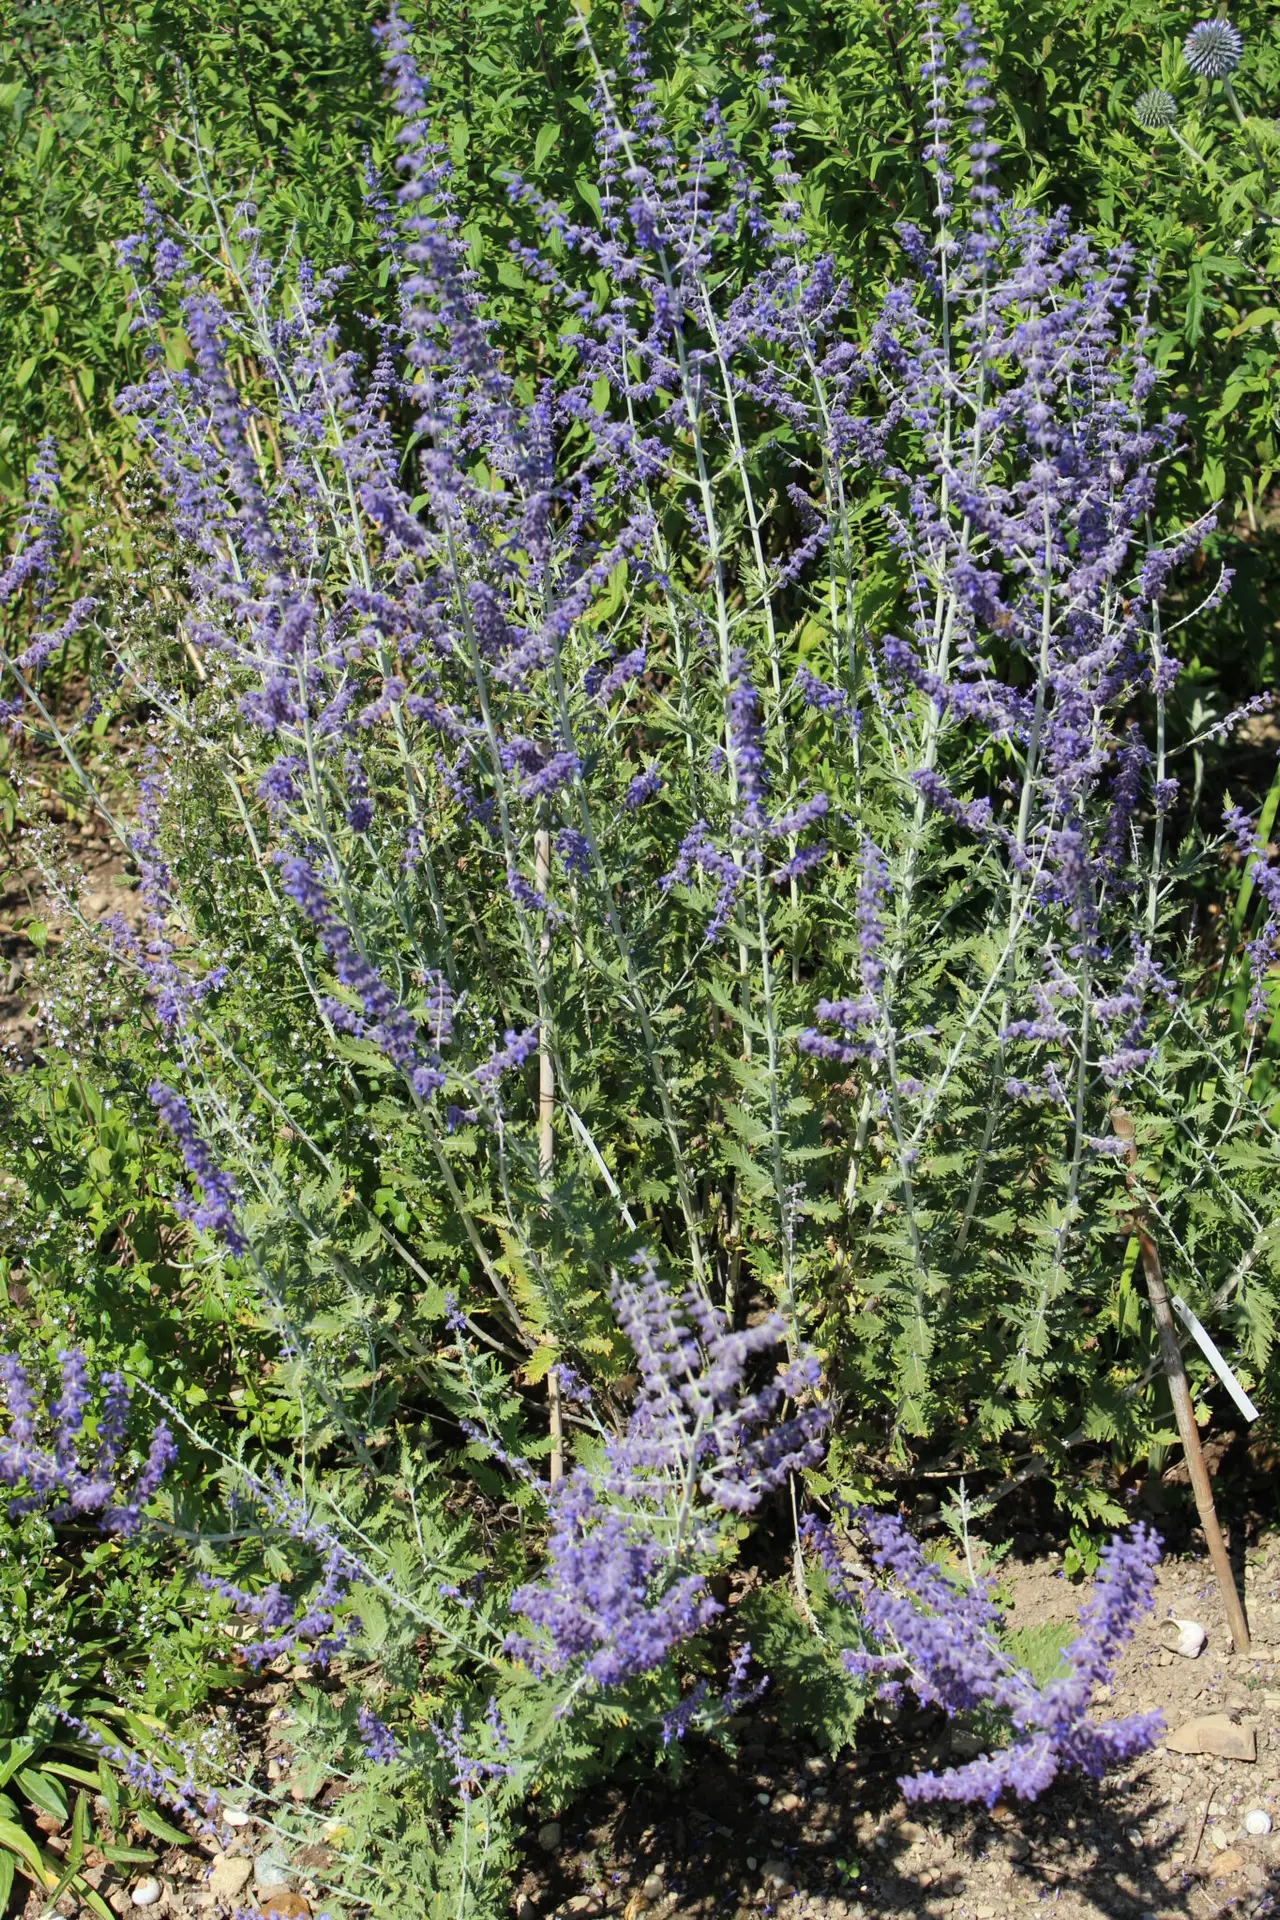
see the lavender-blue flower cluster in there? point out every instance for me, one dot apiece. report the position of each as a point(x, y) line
point(939, 1635)
point(632, 1535)
point(56, 1463)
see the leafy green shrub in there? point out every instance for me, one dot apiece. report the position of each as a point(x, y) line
point(642, 864)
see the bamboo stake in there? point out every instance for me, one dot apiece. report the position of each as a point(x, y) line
point(104, 465)
point(1180, 1393)
point(546, 1134)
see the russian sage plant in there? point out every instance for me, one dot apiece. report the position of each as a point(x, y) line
point(571, 854)
point(54, 1478)
point(606, 738)
point(941, 1637)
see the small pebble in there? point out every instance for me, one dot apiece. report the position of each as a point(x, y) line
point(236, 1816)
point(1257, 1821)
point(549, 1836)
point(147, 1892)
point(1220, 1838)
point(653, 1888)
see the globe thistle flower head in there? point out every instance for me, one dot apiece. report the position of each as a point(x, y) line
point(1155, 109)
point(1212, 49)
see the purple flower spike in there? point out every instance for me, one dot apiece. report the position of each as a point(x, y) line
point(623, 1587)
point(746, 742)
point(378, 1741)
point(215, 1212)
point(941, 1638)
point(643, 787)
point(383, 1020)
point(55, 1478)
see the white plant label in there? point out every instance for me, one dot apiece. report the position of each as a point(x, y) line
point(1215, 1359)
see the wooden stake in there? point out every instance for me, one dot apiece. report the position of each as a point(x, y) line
point(546, 1132)
point(1180, 1393)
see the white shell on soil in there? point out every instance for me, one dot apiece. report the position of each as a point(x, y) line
point(1186, 1637)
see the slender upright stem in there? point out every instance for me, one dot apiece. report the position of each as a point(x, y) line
point(546, 1132)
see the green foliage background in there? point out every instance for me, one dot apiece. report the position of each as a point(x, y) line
point(93, 94)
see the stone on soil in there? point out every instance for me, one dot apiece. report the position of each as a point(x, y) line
point(1214, 1733)
point(229, 1878)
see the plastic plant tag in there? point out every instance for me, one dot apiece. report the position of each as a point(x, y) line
point(1215, 1359)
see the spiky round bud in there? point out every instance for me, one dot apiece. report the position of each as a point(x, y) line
point(1155, 109)
point(1212, 49)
